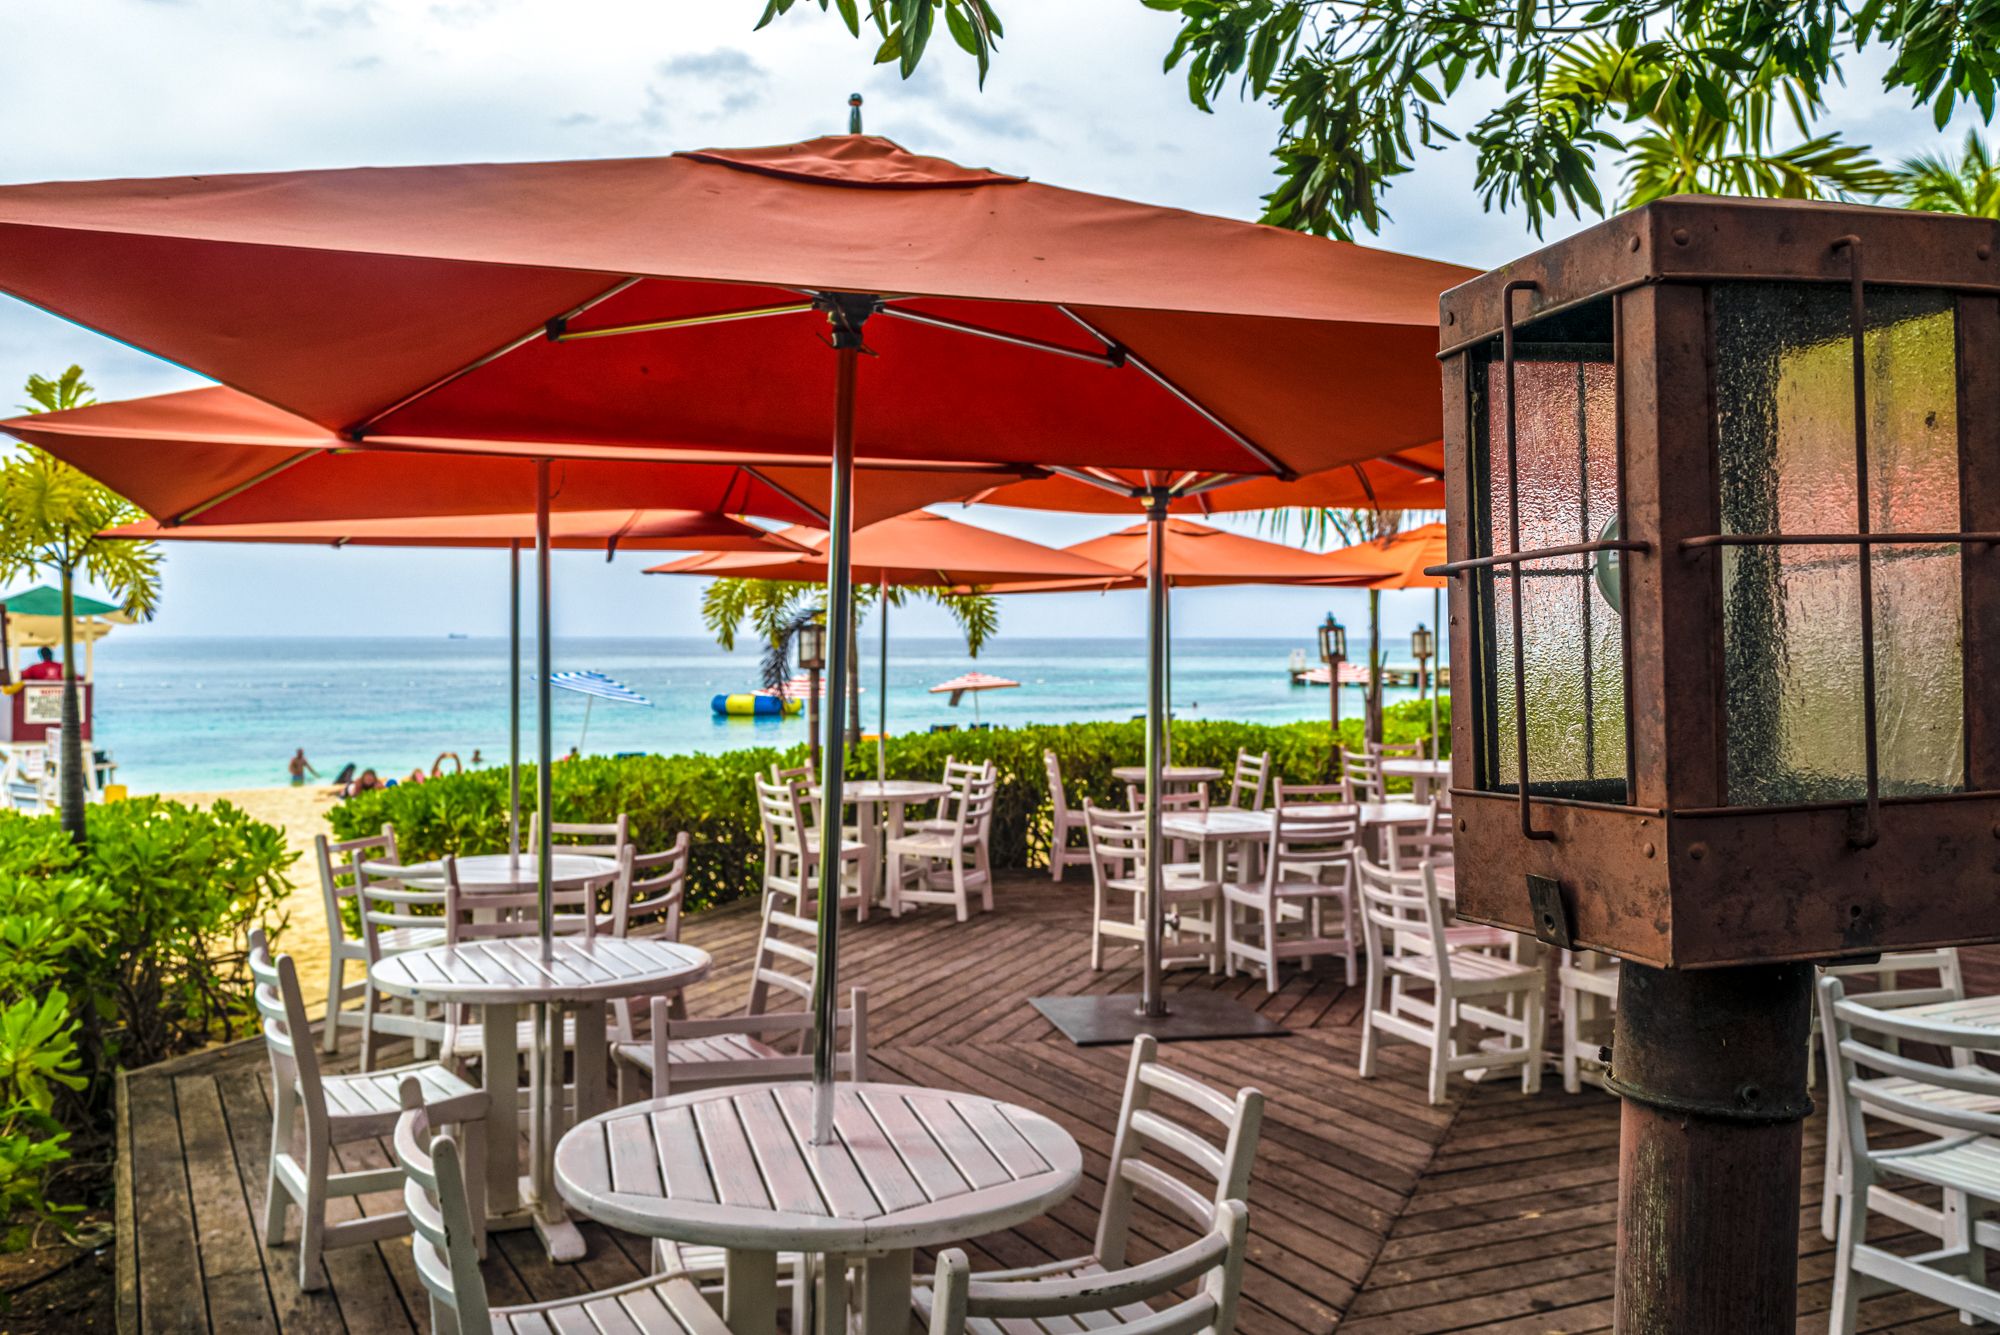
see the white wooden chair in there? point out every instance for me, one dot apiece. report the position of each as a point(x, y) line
point(396, 917)
point(957, 775)
point(1892, 989)
point(311, 1113)
point(1105, 1300)
point(1308, 870)
point(1117, 861)
point(1587, 988)
point(1361, 771)
point(337, 888)
point(1959, 1107)
point(651, 892)
point(604, 839)
point(792, 851)
point(1469, 990)
point(1247, 784)
point(950, 864)
point(1064, 821)
point(446, 1252)
point(1166, 1121)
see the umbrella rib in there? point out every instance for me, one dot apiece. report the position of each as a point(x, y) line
point(1079, 475)
point(203, 507)
point(559, 333)
point(1111, 359)
point(787, 493)
point(539, 331)
point(1131, 358)
point(1410, 466)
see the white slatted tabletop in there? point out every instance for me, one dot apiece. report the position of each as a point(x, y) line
point(736, 1168)
point(511, 969)
point(1180, 774)
point(1421, 773)
point(500, 975)
point(871, 791)
point(514, 871)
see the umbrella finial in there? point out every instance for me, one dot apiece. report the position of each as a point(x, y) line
point(854, 113)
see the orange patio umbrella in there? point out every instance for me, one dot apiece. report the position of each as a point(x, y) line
point(677, 306)
point(1410, 553)
point(919, 548)
point(1198, 554)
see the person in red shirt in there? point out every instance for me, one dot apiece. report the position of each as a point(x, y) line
point(45, 668)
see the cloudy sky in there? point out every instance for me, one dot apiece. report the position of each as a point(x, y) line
point(105, 88)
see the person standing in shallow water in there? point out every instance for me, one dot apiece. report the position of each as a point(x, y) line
point(299, 767)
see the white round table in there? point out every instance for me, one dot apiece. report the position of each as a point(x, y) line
point(736, 1168)
point(1186, 776)
point(514, 871)
point(1420, 772)
point(885, 801)
point(499, 975)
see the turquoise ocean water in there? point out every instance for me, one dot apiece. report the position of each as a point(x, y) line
point(184, 714)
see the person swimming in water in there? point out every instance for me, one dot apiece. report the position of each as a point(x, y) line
point(299, 767)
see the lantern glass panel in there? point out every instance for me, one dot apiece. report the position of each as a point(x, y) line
point(1572, 639)
point(1792, 638)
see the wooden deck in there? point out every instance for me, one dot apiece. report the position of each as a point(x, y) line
point(1371, 1212)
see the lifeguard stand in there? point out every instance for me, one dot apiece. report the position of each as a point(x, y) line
point(31, 710)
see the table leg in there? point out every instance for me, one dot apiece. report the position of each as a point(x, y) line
point(559, 1235)
point(830, 1310)
point(498, 1062)
point(1420, 788)
point(892, 815)
point(750, 1291)
point(885, 1293)
point(591, 1019)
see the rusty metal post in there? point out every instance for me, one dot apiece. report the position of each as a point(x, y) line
point(1711, 1066)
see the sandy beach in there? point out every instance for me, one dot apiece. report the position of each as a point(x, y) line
point(301, 814)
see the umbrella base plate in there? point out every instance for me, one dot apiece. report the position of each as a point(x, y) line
point(1192, 1016)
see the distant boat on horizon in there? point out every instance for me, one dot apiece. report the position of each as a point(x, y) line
point(457, 635)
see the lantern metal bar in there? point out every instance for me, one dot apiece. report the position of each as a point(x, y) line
point(1540, 554)
point(1624, 527)
point(1858, 326)
point(1836, 539)
point(1528, 830)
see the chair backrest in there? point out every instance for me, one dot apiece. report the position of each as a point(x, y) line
point(698, 1054)
point(1246, 787)
point(1396, 750)
point(782, 813)
point(1324, 794)
point(787, 958)
point(1363, 772)
point(1058, 799)
point(1166, 1110)
point(336, 871)
point(1870, 1041)
point(288, 1037)
point(1891, 991)
point(1410, 846)
point(387, 903)
point(1213, 1263)
point(976, 799)
point(1117, 843)
point(442, 1241)
point(602, 840)
point(1306, 838)
point(652, 889)
point(1187, 799)
point(1401, 914)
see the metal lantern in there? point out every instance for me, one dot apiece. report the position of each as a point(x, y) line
point(1422, 644)
point(1332, 641)
point(1723, 481)
point(812, 646)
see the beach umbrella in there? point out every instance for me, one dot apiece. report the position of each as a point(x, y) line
point(580, 529)
point(595, 686)
point(678, 304)
point(1409, 554)
point(921, 549)
point(971, 683)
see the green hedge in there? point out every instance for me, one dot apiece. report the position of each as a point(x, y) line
point(711, 796)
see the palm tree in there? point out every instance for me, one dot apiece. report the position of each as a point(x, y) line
point(50, 519)
point(1971, 185)
point(771, 607)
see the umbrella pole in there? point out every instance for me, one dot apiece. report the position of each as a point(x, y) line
point(882, 683)
point(544, 741)
point(514, 705)
point(1152, 1002)
point(1430, 669)
point(584, 735)
point(846, 321)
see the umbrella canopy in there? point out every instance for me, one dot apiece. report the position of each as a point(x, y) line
point(1407, 553)
point(598, 686)
point(217, 456)
point(609, 529)
point(918, 548)
point(1410, 479)
point(958, 687)
point(44, 601)
point(627, 304)
point(1197, 554)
